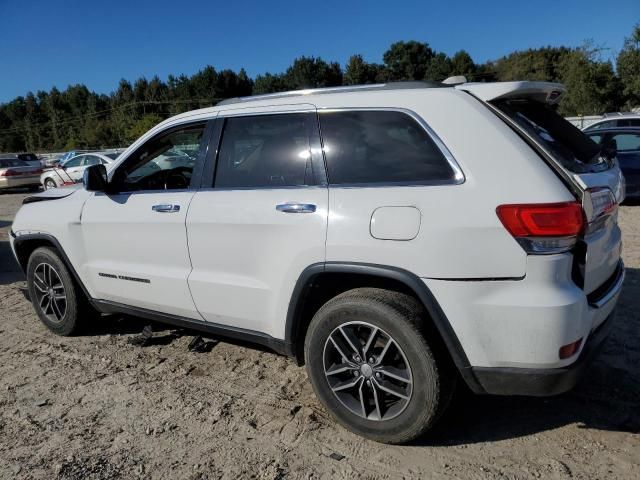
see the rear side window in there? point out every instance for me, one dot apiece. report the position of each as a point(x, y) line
point(568, 145)
point(598, 126)
point(629, 122)
point(380, 147)
point(264, 151)
point(11, 162)
point(627, 142)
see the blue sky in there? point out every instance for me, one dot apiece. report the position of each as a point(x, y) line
point(55, 42)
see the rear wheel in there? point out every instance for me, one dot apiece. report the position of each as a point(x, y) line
point(372, 364)
point(49, 184)
point(59, 303)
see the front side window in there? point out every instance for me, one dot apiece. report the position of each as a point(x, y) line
point(264, 151)
point(380, 147)
point(74, 162)
point(165, 162)
point(90, 160)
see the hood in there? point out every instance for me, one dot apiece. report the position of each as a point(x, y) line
point(53, 194)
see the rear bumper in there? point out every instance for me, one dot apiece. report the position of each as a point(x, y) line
point(542, 381)
point(15, 182)
point(512, 330)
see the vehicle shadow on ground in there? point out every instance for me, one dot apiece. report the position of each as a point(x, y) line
point(10, 271)
point(607, 397)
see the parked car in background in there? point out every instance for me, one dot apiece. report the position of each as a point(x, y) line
point(71, 171)
point(613, 120)
point(626, 142)
point(16, 173)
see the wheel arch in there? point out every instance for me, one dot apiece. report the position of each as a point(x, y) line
point(332, 278)
point(25, 245)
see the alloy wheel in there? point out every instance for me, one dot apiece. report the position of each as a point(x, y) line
point(367, 371)
point(50, 293)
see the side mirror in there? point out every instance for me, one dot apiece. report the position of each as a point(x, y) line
point(95, 178)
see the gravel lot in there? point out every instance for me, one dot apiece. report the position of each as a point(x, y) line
point(97, 407)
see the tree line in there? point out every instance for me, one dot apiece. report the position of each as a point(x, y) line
point(79, 118)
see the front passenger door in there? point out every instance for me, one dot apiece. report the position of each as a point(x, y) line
point(135, 235)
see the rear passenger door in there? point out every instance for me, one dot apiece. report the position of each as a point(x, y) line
point(259, 219)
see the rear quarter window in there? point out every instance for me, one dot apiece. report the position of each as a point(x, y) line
point(374, 147)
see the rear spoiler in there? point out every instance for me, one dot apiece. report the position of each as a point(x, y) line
point(546, 92)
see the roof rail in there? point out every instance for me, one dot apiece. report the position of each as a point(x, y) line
point(345, 89)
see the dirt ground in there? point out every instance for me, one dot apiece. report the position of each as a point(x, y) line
point(97, 407)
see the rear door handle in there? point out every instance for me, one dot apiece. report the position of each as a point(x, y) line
point(166, 208)
point(296, 207)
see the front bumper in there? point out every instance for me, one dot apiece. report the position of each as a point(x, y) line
point(539, 382)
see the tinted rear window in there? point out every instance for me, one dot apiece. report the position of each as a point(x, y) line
point(29, 157)
point(11, 162)
point(569, 145)
point(380, 147)
point(264, 151)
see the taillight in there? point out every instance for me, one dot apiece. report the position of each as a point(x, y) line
point(599, 204)
point(543, 228)
point(9, 173)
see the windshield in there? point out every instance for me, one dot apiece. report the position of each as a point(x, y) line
point(112, 156)
point(570, 146)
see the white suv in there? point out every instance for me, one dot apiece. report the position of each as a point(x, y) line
point(395, 238)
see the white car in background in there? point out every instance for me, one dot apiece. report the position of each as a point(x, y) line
point(72, 170)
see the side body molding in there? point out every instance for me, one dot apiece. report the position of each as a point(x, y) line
point(410, 280)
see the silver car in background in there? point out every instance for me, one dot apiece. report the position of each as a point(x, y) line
point(14, 173)
point(71, 171)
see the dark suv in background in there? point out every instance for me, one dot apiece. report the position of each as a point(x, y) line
point(626, 141)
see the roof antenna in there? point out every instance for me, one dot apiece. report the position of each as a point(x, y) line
point(456, 80)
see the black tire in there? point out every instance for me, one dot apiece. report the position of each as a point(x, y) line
point(49, 183)
point(403, 319)
point(34, 188)
point(61, 317)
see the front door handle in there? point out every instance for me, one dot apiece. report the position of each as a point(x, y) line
point(166, 208)
point(296, 207)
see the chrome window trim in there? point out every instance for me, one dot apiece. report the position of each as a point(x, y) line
point(254, 112)
point(458, 177)
point(282, 187)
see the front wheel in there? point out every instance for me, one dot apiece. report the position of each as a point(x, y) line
point(372, 366)
point(49, 184)
point(53, 293)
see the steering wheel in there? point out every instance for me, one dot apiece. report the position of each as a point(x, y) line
point(176, 178)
